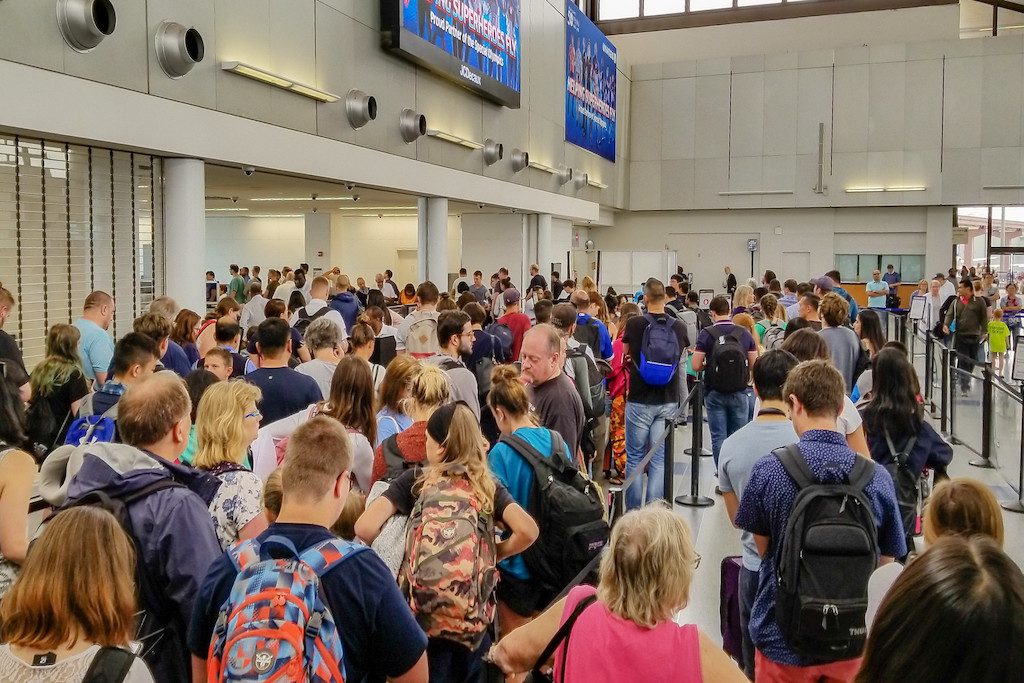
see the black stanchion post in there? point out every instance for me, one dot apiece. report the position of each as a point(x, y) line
point(929, 359)
point(670, 461)
point(698, 421)
point(944, 400)
point(1018, 505)
point(695, 451)
point(986, 419)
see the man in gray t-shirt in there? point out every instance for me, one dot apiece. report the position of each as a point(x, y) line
point(770, 429)
point(843, 343)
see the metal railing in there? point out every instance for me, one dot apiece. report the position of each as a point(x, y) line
point(977, 407)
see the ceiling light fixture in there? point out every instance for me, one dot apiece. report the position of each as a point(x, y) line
point(1002, 187)
point(908, 188)
point(752, 193)
point(231, 209)
point(596, 183)
point(276, 215)
point(543, 167)
point(452, 137)
point(376, 208)
point(301, 199)
point(264, 76)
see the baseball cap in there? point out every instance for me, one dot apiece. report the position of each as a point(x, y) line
point(823, 283)
point(511, 296)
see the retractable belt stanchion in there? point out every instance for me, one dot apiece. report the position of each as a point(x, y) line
point(698, 420)
point(929, 361)
point(694, 499)
point(1018, 505)
point(944, 399)
point(670, 460)
point(987, 385)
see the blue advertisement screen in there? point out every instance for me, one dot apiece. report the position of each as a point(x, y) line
point(590, 80)
point(472, 42)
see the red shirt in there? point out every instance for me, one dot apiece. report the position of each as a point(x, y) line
point(519, 323)
point(413, 445)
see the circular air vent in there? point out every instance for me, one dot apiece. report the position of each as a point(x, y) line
point(85, 23)
point(178, 49)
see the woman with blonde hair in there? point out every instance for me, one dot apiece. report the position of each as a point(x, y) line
point(227, 422)
point(645, 580)
point(588, 285)
point(392, 397)
point(428, 391)
point(58, 387)
point(74, 604)
point(742, 300)
point(602, 313)
point(456, 468)
point(774, 316)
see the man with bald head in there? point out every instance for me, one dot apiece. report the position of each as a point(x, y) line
point(96, 347)
point(167, 506)
point(552, 394)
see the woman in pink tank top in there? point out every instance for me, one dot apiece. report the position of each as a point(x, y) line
point(623, 630)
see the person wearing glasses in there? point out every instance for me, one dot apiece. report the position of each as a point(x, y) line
point(645, 580)
point(455, 341)
point(227, 422)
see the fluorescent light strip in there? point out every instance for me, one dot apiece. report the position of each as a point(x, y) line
point(239, 209)
point(451, 137)
point(386, 215)
point(276, 80)
point(1002, 187)
point(751, 193)
point(300, 199)
point(910, 188)
point(543, 167)
point(376, 208)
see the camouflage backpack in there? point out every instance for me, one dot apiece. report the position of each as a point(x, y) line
point(449, 573)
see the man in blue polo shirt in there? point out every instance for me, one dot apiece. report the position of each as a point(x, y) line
point(590, 330)
point(96, 347)
point(814, 392)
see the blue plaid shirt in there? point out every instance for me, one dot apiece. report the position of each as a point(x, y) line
point(764, 510)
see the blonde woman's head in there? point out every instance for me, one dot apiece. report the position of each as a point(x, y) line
point(647, 570)
point(744, 297)
point(962, 507)
point(456, 447)
point(226, 423)
point(429, 390)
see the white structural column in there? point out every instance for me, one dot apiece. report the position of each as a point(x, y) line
point(432, 241)
point(185, 232)
point(318, 242)
point(544, 250)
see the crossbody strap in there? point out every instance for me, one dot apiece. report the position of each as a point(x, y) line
point(900, 457)
point(110, 665)
point(563, 634)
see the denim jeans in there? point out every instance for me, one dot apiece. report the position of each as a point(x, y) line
point(645, 425)
point(748, 591)
point(726, 414)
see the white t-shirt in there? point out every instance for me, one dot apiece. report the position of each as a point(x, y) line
point(284, 290)
point(313, 307)
point(879, 584)
point(847, 422)
point(72, 669)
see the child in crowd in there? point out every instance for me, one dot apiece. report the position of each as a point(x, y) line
point(998, 336)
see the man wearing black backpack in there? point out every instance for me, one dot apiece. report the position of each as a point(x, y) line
point(725, 352)
point(823, 519)
point(655, 344)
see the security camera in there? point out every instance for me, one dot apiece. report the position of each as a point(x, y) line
point(513, 210)
point(479, 206)
point(248, 170)
point(380, 215)
point(350, 186)
point(234, 200)
point(314, 209)
point(355, 198)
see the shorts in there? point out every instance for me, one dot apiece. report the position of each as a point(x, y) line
point(767, 671)
point(525, 598)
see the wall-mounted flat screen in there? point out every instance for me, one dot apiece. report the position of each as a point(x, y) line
point(590, 82)
point(474, 43)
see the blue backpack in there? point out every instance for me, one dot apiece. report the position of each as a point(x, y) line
point(659, 351)
point(275, 624)
point(93, 428)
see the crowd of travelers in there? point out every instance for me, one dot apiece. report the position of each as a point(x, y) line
point(333, 480)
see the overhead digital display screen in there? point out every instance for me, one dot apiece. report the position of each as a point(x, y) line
point(474, 43)
point(591, 75)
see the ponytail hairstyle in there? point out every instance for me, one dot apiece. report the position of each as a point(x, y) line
point(507, 392)
point(362, 334)
point(456, 429)
point(374, 317)
point(429, 389)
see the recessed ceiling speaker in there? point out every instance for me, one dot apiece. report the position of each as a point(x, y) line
point(580, 181)
point(360, 108)
point(564, 175)
point(412, 124)
point(493, 152)
point(178, 49)
point(520, 160)
point(85, 23)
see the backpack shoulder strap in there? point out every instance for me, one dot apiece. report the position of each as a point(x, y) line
point(326, 555)
point(900, 457)
point(110, 665)
point(796, 466)
point(862, 473)
point(244, 553)
point(167, 483)
point(537, 461)
point(715, 331)
point(393, 455)
point(450, 364)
